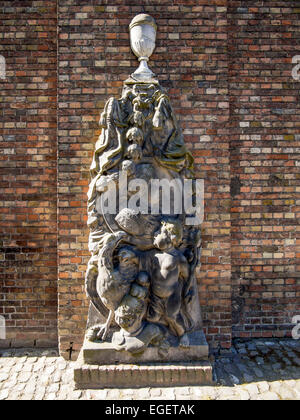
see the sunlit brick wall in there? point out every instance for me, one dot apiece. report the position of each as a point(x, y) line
point(265, 134)
point(28, 204)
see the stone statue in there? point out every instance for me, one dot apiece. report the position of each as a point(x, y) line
point(169, 274)
point(140, 278)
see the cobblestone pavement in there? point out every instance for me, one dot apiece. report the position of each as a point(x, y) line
point(253, 370)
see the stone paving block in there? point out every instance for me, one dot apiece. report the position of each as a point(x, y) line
point(296, 361)
point(30, 387)
point(27, 367)
point(263, 387)
point(286, 393)
point(275, 386)
point(113, 394)
point(12, 383)
point(18, 367)
point(184, 390)
point(143, 394)
point(24, 376)
point(57, 376)
point(258, 372)
point(14, 395)
point(3, 394)
point(204, 393)
point(297, 393)
point(243, 394)
point(4, 377)
point(53, 388)
point(168, 393)
point(252, 389)
point(225, 394)
point(97, 394)
point(127, 392)
point(61, 364)
point(49, 370)
point(41, 391)
point(64, 392)
point(290, 383)
point(51, 397)
point(155, 392)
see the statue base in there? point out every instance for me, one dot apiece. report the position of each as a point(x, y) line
point(104, 352)
point(99, 365)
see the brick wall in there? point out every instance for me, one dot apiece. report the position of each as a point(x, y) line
point(28, 252)
point(227, 67)
point(265, 134)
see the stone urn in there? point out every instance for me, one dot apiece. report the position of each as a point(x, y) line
point(142, 38)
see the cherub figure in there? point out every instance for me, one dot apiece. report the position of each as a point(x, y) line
point(135, 135)
point(128, 167)
point(136, 334)
point(135, 139)
point(169, 273)
point(136, 301)
point(113, 284)
point(134, 152)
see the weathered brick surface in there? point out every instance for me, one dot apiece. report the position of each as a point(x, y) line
point(226, 66)
point(265, 127)
point(28, 252)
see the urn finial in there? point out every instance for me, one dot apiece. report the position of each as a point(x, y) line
point(142, 38)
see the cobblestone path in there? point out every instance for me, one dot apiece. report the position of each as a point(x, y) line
point(253, 370)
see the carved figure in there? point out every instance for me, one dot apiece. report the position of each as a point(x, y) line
point(136, 334)
point(114, 283)
point(169, 274)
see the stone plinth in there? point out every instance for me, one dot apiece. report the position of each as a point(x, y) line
point(100, 366)
point(143, 375)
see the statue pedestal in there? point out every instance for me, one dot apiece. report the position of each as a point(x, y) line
point(99, 365)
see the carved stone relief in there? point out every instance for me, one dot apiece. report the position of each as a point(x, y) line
point(141, 275)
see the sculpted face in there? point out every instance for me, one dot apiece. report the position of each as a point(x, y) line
point(135, 153)
point(129, 322)
point(135, 135)
point(162, 240)
point(129, 167)
point(169, 236)
point(127, 260)
point(144, 95)
point(130, 313)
